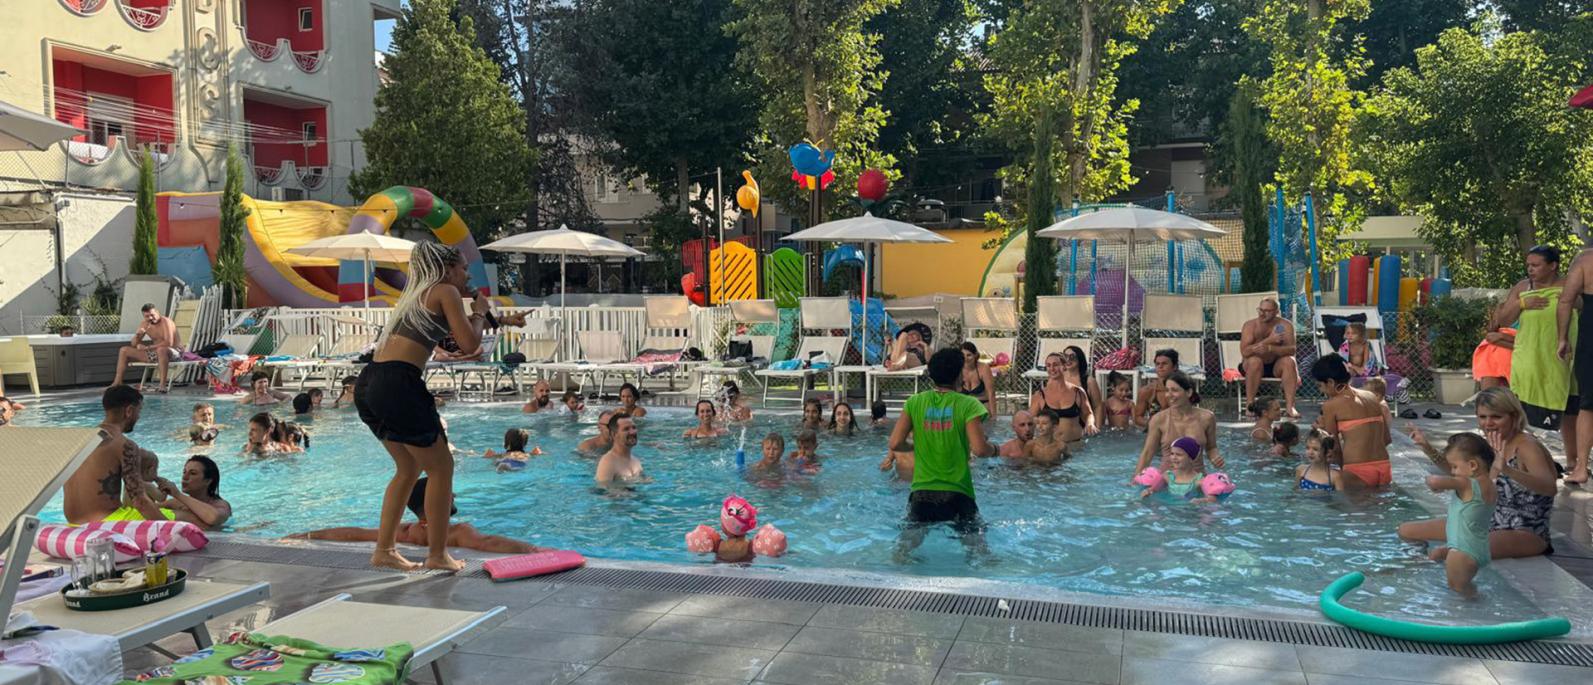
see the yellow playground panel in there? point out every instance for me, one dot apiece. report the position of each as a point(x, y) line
point(911, 270)
point(739, 264)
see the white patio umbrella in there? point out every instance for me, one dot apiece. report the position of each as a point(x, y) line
point(564, 242)
point(364, 245)
point(867, 229)
point(24, 130)
point(1131, 225)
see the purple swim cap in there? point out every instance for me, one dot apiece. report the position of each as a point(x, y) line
point(1190, 446)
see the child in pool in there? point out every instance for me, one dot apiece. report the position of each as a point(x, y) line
point(1317, 473)
point(572, 403)
point(302, 404)
point(812, 415)
point(291, 436)
point(345, 396)
point(513, 457)
point(877, 413)
point(202, 432)
point(806, 454)
point(1182, 480)
point(736, 409)
point(1045, 448)
point(1120, 402)
point(902, 461)
point(1267, 412)
point(1465, 550)
point(1284, 437)
point(149, 470)
point(842, 421)
point(202, 436)
point(773, 451)
point(262, 427)
point(1379, 387)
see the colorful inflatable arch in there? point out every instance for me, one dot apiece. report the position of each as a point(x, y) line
point(377, 216)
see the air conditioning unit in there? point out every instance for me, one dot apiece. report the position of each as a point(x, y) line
point(278, 194)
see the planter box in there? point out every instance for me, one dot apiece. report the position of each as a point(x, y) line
point(1454, 385)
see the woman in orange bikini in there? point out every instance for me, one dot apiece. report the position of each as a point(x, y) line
point(1355, 418)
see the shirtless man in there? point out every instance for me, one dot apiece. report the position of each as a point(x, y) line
point(162, 333)
point(1023, 432)
point(1578, 293)
point(1046, 448)
point(618, 465)
point(1153, 396)
point(541, 399)
point(599, 443)
point(459, 534)
point(1267, 347)
point(95, 490)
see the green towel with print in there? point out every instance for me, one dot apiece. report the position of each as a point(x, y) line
point(255, 659)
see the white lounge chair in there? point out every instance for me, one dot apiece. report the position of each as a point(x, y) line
point(711, 376)
point(669, 329)
point(1375, 335)
point(1232, 313)
point(1183, 315)
point(1071, 320)
point(433, 633)
point(16, 357)
point(602, 354)
point(300, 352)
point(198, 321)
point(826, 314)
point(991, 324)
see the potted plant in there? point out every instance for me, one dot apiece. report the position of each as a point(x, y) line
point(1452, 326)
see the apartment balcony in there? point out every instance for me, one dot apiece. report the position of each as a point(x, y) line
point(124, 106)
point(291, 30)
point(144, 14)
point(85, 7)
point(287, 139)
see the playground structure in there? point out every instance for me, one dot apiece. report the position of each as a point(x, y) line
point(188, 238)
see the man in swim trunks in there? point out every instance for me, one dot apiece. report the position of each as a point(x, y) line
point(1023, 432)
point(1577, 293)
point(945, 428)
point(618, 465)
point(94, 491)
point(599, 443)
point(1267, 347)
point(459, 534)
point(541, 399)
point(162, 334)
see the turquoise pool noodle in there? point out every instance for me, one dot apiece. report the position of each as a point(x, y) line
point(1423, 632)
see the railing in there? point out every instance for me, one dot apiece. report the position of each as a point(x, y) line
point(265, 51)
point(33, 324)
point(269, 175)
point(308, 61)
point(84, 7)
point(146, 19)
point(312, 177)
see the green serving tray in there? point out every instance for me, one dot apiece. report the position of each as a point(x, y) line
point(128, 599)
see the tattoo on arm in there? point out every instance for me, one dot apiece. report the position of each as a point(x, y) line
point(131, 465)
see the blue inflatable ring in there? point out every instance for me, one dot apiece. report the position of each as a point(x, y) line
point(1423, 632)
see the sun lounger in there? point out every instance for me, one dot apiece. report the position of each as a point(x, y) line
point(1232, 313)
point(200, 602)
point(602, 354)
point(750, 312)
point(434, 633)
point(293, 353)
point(1183, 319)
point(826, 314)
point(16, 357)
point(198, 321)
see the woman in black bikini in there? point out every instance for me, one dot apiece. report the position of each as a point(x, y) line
point(1068, 401)
point(1076, 368)
point(976, 380)
point(393, 400)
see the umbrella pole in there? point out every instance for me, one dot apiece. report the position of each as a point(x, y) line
point(561, 280)
point(862, 329)
point(1127, 269)
point(367, 285)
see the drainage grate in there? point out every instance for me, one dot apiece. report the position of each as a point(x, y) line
point(1146, 620)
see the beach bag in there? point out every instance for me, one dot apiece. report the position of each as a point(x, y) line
point(1119, 360)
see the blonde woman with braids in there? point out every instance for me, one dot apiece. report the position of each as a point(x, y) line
point(392, 398)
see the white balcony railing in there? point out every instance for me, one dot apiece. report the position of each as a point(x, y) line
point(265, 51)
point(308, 61)
point(84, 7)
point(147, 19)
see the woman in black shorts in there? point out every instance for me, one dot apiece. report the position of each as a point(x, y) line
point(392, 398)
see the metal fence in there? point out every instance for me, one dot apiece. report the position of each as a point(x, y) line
point(33, 324)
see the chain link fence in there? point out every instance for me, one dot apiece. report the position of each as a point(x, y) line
point(33, 324)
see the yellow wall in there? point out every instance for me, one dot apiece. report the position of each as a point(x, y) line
point(913, 270)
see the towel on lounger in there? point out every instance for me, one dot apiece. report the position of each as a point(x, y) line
point(260, 660)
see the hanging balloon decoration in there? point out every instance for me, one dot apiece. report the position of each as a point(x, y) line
point(811, 167)
point(748, 197)
point(872, 186)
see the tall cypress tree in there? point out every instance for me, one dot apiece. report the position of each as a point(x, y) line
point(446, 122)
point(1040, 255)
point(1252, 165)
point(145, 261)
point(228, 268)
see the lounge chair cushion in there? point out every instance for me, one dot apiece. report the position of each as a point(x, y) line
point(67, 542)
point(168, 536)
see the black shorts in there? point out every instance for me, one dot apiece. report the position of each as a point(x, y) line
point(393, 400)
point(935, 506)
point(1549, 419)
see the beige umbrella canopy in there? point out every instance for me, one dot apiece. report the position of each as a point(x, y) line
point(366, 246)
point(24, 130)
point(564, 242)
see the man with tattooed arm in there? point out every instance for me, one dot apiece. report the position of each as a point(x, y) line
point(94, 493)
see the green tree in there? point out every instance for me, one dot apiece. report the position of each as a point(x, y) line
point(649, 82)
point(818, 69)
point(1393, 31)
point(1040, 264)
point(1477, 138)
point(1183, 74)
point(1311, 107)
point(145, 258)
point(228, 270)
point(1250, 161)
point(446, 122)
point(928, 93)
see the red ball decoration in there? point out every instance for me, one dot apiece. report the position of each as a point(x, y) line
point(872, 184)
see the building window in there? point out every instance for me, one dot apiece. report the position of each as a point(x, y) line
point(107, 117)
point(309, 132)
point(606, 192)
point(306, 19)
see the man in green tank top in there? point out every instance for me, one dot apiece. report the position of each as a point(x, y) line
point(945, 431)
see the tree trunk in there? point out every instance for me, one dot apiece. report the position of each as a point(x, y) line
point(1526, 232)
point(810, 102)
point(1083, 79)
point(683, 185)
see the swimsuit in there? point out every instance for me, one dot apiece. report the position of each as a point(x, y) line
point(976, 392)
point(1180, 490)
point(1373, 473)
point(1069, 412)
point(1584, 356)
point(430, 336)
point(1520, 508)
point(1466, 527)
point(1307, 484)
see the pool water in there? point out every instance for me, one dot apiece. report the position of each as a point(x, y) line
point(1077, 527)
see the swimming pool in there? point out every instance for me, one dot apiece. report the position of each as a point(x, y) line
point(1075, 528)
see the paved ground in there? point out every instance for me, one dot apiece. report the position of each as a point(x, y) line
point(556, 633)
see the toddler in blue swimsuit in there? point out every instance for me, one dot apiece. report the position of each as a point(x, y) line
point(1465, 549)
point(1317, 473)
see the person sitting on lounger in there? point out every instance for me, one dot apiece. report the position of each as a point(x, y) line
point(459, 534)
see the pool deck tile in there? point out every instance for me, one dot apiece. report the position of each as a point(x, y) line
point(1138, 671)
point(901, 649)
point(1517, 673)
point(543, 645)
point(1210, 650)
point(1420, 668)
point(769, 610)
point(1044, 635)
point(802, 669)
point(919, 623)
point(951, 678)
point(981, 657)
point(615, 599)
point(463, 668)
point(693, 659)
point(720, 631)
point(568, 619)
point(607, 675)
